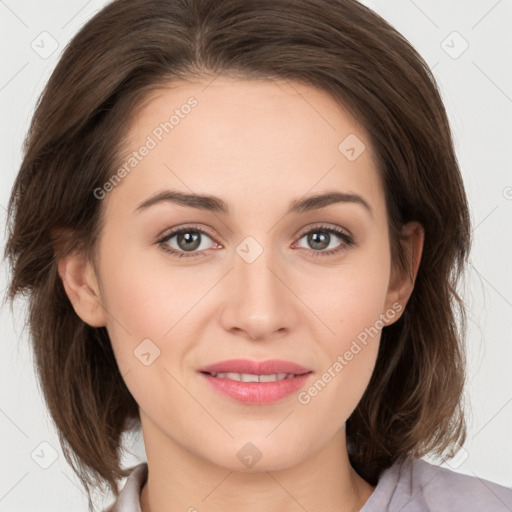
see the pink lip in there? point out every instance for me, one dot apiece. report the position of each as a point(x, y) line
point(259, 393)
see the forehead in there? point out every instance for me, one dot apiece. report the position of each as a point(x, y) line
point(273, 141)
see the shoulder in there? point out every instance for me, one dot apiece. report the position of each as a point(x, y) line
point(439, 486)
point(415, 485)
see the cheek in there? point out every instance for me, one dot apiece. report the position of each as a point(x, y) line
point(148, 309)
point(351, 305)
point(143, 300)
point(349, 349)
point(353, 295)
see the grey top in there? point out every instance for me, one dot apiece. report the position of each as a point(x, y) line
point(413, 486)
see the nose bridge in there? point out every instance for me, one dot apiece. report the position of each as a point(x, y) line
point(261, 302)
point(255, 271)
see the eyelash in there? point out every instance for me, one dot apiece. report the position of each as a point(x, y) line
point(347, 241)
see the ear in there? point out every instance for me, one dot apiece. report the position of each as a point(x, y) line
point(401, 285)
point(81, 285)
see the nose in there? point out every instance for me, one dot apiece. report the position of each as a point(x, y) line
point(260, 303)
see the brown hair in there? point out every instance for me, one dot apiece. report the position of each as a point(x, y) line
point(413, 404)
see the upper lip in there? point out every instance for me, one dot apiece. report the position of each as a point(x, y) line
point(268, 367)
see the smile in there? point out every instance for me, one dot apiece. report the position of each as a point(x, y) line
point(251, 377)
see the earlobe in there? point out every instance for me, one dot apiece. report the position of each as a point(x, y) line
point(401, 286)
point(80, 283)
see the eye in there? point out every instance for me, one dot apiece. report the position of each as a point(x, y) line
point(325, 237)
point(187, 241)
point(190, 241)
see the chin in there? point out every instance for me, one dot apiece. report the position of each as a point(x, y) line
point(259, 455)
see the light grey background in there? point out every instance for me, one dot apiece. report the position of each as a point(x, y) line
point(477, 89)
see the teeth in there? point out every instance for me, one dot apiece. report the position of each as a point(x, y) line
point(251, 377)
point(244, 377)
point(269, 378)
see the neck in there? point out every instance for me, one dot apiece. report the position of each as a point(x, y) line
point(179, 480)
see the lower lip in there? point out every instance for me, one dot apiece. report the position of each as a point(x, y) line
point(258, 393)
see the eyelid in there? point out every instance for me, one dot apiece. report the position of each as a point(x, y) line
point(170, 232)
point(325, 226)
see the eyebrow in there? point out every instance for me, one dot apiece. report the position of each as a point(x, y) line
point(217, 205)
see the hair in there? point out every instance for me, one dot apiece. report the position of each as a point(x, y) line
point(413, 404)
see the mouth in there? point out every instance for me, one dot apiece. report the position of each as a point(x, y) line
point(256, 383)
point(252, 377)
point(259, 368)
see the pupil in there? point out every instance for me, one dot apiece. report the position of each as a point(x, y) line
point(319, 240)
point(191, 239)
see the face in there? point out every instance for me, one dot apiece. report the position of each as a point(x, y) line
point(259, 273)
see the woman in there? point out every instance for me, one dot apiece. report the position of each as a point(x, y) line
point(241, 225)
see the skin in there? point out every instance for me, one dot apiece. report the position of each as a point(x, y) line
point(258, 155)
